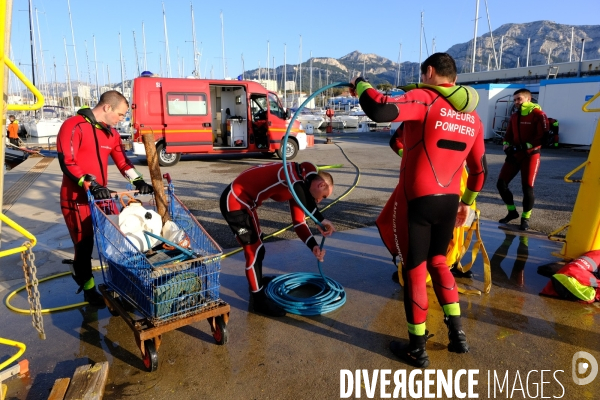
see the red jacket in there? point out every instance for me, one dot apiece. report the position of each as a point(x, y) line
point(529, 128)
point(84, 149)
point(437, 141)
point(264, 182)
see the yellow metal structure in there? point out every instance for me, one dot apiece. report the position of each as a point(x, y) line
point(583, 232)
point(21, 347)
point(4, 24)
point(22, 231)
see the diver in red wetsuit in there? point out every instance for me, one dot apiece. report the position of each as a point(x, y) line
point(522, 145)
point(239, 203)
point(441, 131)
point(83, 144)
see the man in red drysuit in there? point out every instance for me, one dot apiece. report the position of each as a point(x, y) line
point(83, 144)
point(522, 145)
point(239, 203)
point(441, 131)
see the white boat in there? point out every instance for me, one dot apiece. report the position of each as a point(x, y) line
point(48, 125)
point(315, 120)
point(350, 121)
point(43, 127)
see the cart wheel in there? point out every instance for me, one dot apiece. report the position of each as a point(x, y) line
point(113, 312)
point(151, 357)
point(220, 333)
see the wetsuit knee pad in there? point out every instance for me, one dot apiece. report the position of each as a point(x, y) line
point(241, 224)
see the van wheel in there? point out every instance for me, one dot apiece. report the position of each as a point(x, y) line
point(290, 150)
point(166, 159)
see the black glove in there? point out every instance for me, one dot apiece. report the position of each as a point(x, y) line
point(98, 191)
point(143, 187)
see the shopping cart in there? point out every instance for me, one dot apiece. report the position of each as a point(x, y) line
point(169, 288)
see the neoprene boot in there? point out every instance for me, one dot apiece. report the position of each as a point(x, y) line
point(512, 214)
point(94, 298)
point(414, 353)
point(456, 335)
point(264, 305)
point(524, 224)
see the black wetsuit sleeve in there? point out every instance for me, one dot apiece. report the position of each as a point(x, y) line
point(301, 190)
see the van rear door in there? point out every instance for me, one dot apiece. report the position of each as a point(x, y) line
point(187, 117)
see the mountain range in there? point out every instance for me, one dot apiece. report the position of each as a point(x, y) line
point(549, 42)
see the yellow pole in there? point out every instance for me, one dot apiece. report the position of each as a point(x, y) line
point(5, 25)
point(583, 234)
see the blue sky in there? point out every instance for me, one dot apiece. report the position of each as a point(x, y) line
point(329, 28)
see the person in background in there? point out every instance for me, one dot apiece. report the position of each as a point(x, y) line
point(552, 135)
point(441, 131)
point(83, 144)
point(13, 130)
point(522, 144)
point(241, 199)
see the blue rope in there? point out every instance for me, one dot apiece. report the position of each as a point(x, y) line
point(331, 294)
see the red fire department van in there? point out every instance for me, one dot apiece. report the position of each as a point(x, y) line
point(210, 116)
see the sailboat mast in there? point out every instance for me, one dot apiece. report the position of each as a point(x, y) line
point(96, 63)
point(122, 72)
point(223, 46)
point(571, 49)
point(284, 77)
point(87, 60)
point(73, 38)
point(137, 63)
point(475, 36)
point(55, 82)
point(420, 44)
point(69, 88)
point(487, 12)
point(31, 44)
point(311, 74)
point(300, 73)
point(399, 64)
point(268, 56)
point(196, 63)
point(243, 68)
point(144, 42)
point(168, 57)
point(501, 46)
point(44, 81)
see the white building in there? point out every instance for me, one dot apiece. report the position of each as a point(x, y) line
point(83, 91)
point(290, 85)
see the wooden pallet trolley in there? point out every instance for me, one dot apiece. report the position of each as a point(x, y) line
point(164, 288)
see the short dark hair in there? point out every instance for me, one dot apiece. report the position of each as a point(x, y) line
point(112, 98)
point(11, 116)
point(326, 177)
point(443, 63)
point(526, 91)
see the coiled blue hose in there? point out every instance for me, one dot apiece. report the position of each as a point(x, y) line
point(331, 294)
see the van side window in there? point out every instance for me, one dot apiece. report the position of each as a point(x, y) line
point(275, 107)
point(186, 104)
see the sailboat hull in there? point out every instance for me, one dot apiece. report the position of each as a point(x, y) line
point(44, 127)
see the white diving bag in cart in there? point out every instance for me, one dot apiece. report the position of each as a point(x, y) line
point(134, 220)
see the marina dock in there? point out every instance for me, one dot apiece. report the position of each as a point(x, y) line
point(512, 330)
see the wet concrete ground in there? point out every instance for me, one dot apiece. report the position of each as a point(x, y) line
point(510, 329)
